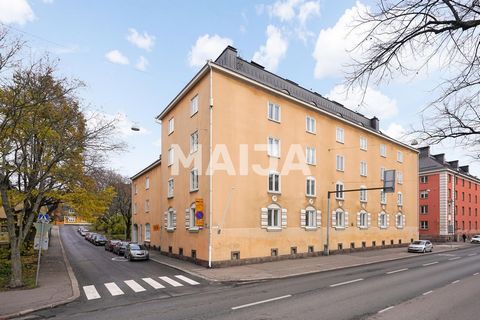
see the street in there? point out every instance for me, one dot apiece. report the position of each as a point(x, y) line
point(340, 294)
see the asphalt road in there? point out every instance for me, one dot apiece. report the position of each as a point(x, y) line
point(353, 293)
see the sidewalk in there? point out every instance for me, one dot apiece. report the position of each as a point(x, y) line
point(56, 284)
point(293, 267)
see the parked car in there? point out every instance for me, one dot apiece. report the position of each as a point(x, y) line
point(99, 240)
point(420, 246)
point(120, 248)
point(83, 231)
point(88, 235)
point(475, 239)
point(110, 244)
point(135, 251)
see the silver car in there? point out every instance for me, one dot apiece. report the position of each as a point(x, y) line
point(420, 246)
point(136, 252)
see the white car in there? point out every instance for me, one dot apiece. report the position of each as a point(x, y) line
point(420, 246)
point(475, 239)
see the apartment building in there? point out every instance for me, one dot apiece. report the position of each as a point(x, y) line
point(248, 159)
point(448, 198)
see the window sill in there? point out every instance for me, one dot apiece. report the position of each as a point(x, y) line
point(342, 142)
point(170, 229)
point(311, 195)
point(311, 228)
point(364, 201)
point(339, 228)
point(193, 190)
point(273, 156)
point(400, 227)
point(169, 197)
point(194, 229)
point(340, 199)
point(311, 132)
point(194, 113)
point(311, 164)
point(275, 192)
point(193, 151)
point(274, 229)
point(170, 133)
point(383, 228)
point(273, 120)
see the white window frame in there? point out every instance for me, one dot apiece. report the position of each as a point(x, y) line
point(399, 177)
point(171, 156)
point(147, 183)
point(171, 125)
point(340, 223)
point(399, 156)
point(363, 168)
point(383, 150)
point(310, 186)
point(340, 163)
point(272, 213)
point(310, 217)
point(271, 143)
point(311, 125)
point(424, 194)
point(363, 143)
point(424, 225)
point(147, 235)
point(194, 105)
point(170, 219)
point(275, 177)
point(363, 225)
point(170, 188)
point(382, 173)
point(194, 142)
point(193, 180)
point(383, 197)
point(340, 135)
point(147, 205)
point(339, 194)
point(399, 199)
point(424, 209)
point(193, 218)
point(311, 156)
point(382, 220)
point(400, 225)
point(363, 194)
point(423, 179)
point(272, 115)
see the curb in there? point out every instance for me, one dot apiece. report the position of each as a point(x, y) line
point(290, 275)
point(73, 283)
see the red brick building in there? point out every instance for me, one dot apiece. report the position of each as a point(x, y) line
point(448, 193)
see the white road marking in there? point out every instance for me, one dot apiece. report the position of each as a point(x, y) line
point(153, 283)
point(346, 282)
point(446, 255)
point(395, 271)
point(472, 254)
point(171, 282)
point(260, 302)
point(456, 281)
point(428, 292)
point(429, 264)
point(91, 292)
point(187, 280)
point(456, 258)
point(113, 289)
point(134, 285)
point(476, 274)
point(386, 309)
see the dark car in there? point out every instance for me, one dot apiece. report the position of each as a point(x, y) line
point(99, 240)
point(88, 235)
point(136, 251)
point(120, 248)
point(110, 244)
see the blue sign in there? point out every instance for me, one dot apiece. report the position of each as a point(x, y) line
point(43, 217)
point(199, 215)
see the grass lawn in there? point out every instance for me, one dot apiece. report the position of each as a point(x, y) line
point(29, 258)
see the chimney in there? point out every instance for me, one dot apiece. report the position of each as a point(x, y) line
point(453, 164)
point(440, 157)
point(375, 123)
point(464, 169)
point(424, 152)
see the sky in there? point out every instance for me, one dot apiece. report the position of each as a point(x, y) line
point(135, 56)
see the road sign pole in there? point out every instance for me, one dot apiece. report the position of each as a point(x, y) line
point(39, 252)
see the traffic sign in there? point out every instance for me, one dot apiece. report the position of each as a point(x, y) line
point(43, 218)
point(199, 215)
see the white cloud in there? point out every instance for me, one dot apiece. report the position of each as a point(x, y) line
point(142, 63)
point(284, 10)
point(307, 10)
point(371, 103)
point(15, 11)
point(396, 131)
point(275, 48)
point(116, 56)
point(144, 41)
point(333, 48)
point(47, 1)
point(207, 47)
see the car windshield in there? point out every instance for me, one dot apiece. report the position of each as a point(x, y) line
point(101, 238)
point(418, 242)
point(136, 247)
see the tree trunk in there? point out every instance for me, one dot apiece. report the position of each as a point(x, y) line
point(16, 279)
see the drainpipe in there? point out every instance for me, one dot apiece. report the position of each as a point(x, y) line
point(210, 200)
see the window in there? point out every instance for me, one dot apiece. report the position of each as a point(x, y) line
point(171, 125)
point(399, 220)
point(382, 220)
point(423, 209)
point(194, 105)
point(383, 197)
point(383, 150)
point(311, 218)
point(170, 156)
point(340, 135)
point(310, 186)
point(463, 195)
point(170, 187)
point(192, 219)
point(382, 173)
point(273, 182)
point(424, 225)
point(363, 168)
point(363, 219)
point(363, 194)
point(194, 180)
point(423, 194)
point(273, 147)
point(340, 163)
point(147, 232)
point(399, 199)
point(400, 177)
point(273, 112)
point(363, 143)
point(311, 155)
point(424, 179)
point(171, 219)
point(311, 124)
point(194, 142)
point(339, 219)
point(147, 183)
point(273, 217)
point(147, 205)
point(339, 190)
point(399, 156)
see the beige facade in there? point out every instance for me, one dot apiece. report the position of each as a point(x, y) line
point(246, 220)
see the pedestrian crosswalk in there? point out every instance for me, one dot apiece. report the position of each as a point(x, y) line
point(91, 292)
